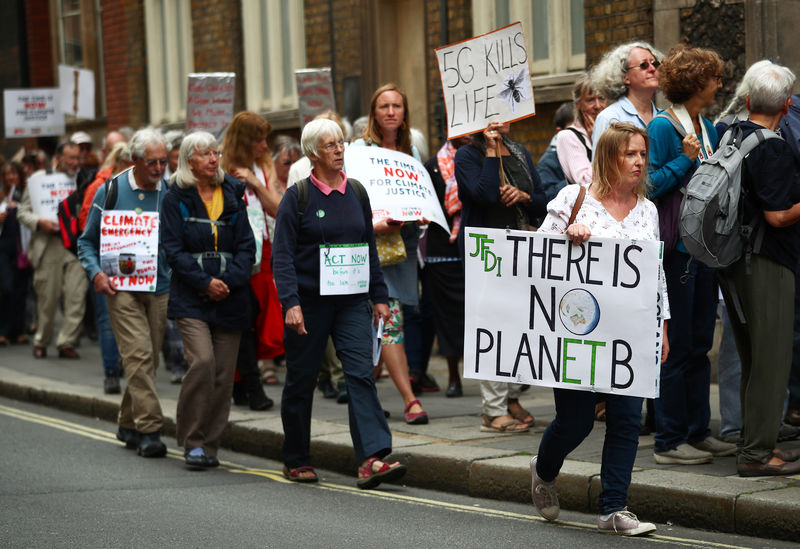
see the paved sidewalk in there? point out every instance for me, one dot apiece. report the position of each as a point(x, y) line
point(450, 453)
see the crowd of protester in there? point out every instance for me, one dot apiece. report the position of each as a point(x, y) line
point(242, 224)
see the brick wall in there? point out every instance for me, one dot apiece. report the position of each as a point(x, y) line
point(609, 23)
point(40, 53)
point(217, 32)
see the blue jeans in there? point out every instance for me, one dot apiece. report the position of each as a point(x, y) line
point(729, 377)
point(348, 320)
point(573, 423)
point(105, 335)
point(683, 411)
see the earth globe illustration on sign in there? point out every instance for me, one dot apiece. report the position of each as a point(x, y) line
point(579, 311)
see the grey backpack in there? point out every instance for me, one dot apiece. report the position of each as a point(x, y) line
point(711, 217)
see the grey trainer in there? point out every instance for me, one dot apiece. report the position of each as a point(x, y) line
point(683, 455)
point(715, 447)
point(544, 495)
point(624, 523)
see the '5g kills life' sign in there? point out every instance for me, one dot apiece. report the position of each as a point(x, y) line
point(486, 78)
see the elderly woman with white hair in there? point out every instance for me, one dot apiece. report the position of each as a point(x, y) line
point(324, 220)
point(210, 247)
point(628, 77)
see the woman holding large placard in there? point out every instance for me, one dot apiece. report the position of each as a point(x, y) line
point(209, 245)
point(499, 187)
point(615, 207)
point(327, 271)
point(388, 127)
point(680, 139)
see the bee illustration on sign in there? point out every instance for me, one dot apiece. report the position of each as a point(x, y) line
point(513, 91)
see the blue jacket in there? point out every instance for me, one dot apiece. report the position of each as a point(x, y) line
point(183, 239)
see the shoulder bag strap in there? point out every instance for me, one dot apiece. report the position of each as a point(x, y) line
point(576, 208)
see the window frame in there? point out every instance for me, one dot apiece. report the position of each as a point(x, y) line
point(257, 98)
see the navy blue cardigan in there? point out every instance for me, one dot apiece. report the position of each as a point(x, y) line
point(182, 238)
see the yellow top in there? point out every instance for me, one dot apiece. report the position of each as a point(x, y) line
point(214, 209)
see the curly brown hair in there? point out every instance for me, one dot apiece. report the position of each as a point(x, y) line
point(372, 133)
point(245, 130)
point(687, 70)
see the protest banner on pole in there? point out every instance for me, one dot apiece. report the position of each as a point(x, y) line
point(314, 93)
point(129, 249)
point(46, 191)
point(486, 78)
point(209, 102)
point(398, 185)
point(542, 311)
point(33, 112)
point(77, 91)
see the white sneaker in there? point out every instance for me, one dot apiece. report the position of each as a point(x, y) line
point(544, 495)
point(715, 447)
point(683, 455)
point(624, 523)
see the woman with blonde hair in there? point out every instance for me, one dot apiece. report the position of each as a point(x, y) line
point(246, 156)
point(614, 206)
point(388, 127)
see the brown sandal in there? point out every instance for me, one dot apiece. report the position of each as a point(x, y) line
point(507, 427)
point(521, 414)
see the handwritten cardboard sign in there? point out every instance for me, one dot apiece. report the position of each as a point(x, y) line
point(314, 93)
point(209, 102)
point(77, 91)
point(129, 249)
point(541, 311)
point(46, 191)
point(398, 185)
point(33, 112)
point(486, 78)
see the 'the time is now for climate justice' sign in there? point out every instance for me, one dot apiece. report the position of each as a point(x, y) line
point(542, 311)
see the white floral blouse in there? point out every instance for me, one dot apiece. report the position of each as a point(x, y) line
point(641, 223)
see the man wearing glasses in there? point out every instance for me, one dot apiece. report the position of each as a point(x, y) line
point(138, 316)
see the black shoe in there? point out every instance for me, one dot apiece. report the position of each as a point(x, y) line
point(201, 461)
point(259, 400)
point(428, 384)
point(328, 390)
point(111, 385)
point(454, 390)
point(240, 394)
point(416, 386)
point(150, 445)
point(341, 396)
point(788, 432)
point(129, 436)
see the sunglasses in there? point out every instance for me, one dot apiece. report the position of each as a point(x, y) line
point(644, 65)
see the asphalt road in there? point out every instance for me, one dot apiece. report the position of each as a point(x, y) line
point(66, 482)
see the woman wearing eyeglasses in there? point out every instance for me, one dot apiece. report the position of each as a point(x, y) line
point(209, 245)
point(680, 139)
point(628, 75)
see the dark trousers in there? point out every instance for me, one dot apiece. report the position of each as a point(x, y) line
point(419, 330)
point(764, 343)
point(573, 423)
point(348, 320)
point(13, 290)
point(683, 411)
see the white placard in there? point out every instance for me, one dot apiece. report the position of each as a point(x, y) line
point(77, 91)
point(129, 249)
point(33, 112)
point(542, 311)
point(398, 185)
point(314, 93)
point(46, 191)
point(209, 102)
point(486, 78)
point(343, 269)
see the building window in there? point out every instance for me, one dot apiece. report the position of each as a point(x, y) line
point(274, 46)
point(553, 30)
point(80, 41)
point(170, 57)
